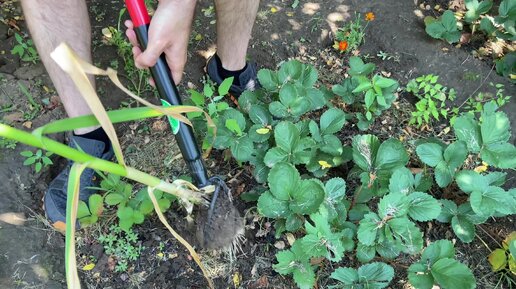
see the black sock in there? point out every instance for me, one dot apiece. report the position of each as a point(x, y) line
point(228, 73)
point(98, 134)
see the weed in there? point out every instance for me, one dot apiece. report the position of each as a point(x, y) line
point(6, 143)
point(123, 245)
point(432, 99)
point(503, 260)
point(25, 49)
point(34, 107)
point(39, 159)
point(351, 35)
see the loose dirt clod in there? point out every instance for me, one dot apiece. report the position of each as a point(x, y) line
point(220, 226)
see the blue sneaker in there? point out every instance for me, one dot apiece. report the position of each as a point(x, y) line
point(55, 197)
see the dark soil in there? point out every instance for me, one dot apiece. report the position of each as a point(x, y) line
point(31, 254)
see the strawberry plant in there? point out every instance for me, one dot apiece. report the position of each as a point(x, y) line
point(445, 27)
point(503, 260)
point(445, 159)
point(488, 135)
point(289, 198)
point(438, 266)
point(374, 164)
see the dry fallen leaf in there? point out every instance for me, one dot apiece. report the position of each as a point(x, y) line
point(290, 238)
point(88, 267)
point(280, 245)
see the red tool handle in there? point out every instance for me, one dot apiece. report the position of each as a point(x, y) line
point(138, 12)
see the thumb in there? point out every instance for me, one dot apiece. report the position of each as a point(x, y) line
point(150, 56)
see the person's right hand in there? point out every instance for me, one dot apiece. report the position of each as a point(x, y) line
point(169, 32)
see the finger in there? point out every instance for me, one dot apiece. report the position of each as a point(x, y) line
point(131, 35)
point(176, 63)
point(129, 24)
point(136, 52)
point(150, 56)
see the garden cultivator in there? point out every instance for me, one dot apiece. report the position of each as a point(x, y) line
point(219, 225)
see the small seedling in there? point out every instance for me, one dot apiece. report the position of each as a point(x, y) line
point(123, 245)
point(25, 49)
point(350, 36)
point(38, 159)
point(432, 99)
point(503, 261)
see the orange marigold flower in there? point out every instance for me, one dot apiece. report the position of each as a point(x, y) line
point(369, 16)
point(343, 45)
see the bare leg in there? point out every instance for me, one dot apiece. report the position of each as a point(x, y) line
point(52, 22)
point(235, 19)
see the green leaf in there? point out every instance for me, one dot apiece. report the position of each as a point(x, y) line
point(296, 262)
point(401, 181)
point(307, 197)
point(385, 82)
point(331, 145)
point(232, 125)
point(495, 128)
point(468, 130)
point(365, 253)
point(487, 26)
point(242, 149)
point(30, 161)
point(420, 277)
point(463, 228)
point(83, 210)
point(393, 205)
point(271, 207)
point(225, 85)
point(286, 136)
point(371, 276)
point(113, 199)
point(377, 275)
point(455, 154)
point(332, 121)
point(475, 9)
point(357, 67)
point(436, 30)
point(451, 274)
point(423, 207)
point(259, 115)
point(365, 148)
point(290, 70)
point(368, 229)
point(288, 94)
point(278, 110)
point(449, 21)
point(443, 174)
point(27, 154)
point(449, 209)
point(96, 204)
point(259, 134)
point(268, 79)
point(485, 202)
point(391, 154)
point(469, 181)
point(274, 156)
point(283, 181)
point(500, 155)
point(430, 153)
point(438, 250)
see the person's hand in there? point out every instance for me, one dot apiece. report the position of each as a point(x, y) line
point(169, 32)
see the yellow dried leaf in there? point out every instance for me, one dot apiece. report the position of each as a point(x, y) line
point(274, 9)
point(107, 32)
point(237, 278)
point(290, 238)
point(263, 130)
point(198, 37)
point(498, 259)
point(160, 255)
point(324, 165)
point(88, 267)
point(508, 240)
point(482, 168)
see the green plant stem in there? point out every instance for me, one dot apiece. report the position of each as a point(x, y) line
point(96, 163)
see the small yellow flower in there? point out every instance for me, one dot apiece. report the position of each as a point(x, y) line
point(369, 16)
point(324, 165)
